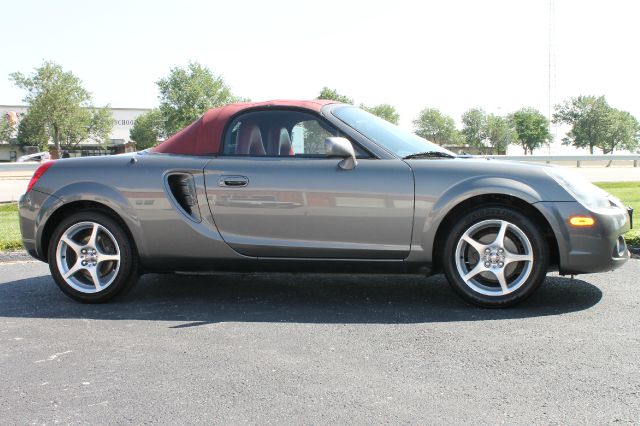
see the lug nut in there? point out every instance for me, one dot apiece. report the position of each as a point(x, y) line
point(84, 263)
point(83, 251)
point(487, 250)
point(500, 250)
point(501, 264)
point(487, 264)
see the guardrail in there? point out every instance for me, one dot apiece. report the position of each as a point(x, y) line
point(17, 170)
point(577, 158)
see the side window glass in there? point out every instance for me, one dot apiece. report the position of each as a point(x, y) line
point(308, 137)
point(231, 139)
point(279, 133)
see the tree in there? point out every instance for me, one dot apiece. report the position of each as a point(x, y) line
point(32, 133)
point(437, 127)
point(101, 124)
point(6, 129)
point(474, 127)
point(589, 117)
point(384, 111)
point(333, 95)
point(531, 128)
point(92, 123)
point(187, 93)
point(147, 129)
point(595, 124)
point(59, 104)
point(624, 132)
point(486, 131)
point(499, 133)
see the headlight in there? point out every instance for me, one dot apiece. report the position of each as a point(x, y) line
point(581, 189)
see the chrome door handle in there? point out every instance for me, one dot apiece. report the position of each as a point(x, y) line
point(233, 181)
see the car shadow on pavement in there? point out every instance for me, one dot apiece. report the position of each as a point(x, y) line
point(193, 300)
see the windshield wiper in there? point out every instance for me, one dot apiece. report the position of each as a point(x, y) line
point(429, 154)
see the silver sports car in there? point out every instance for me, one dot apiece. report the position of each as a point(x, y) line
point(315, 186)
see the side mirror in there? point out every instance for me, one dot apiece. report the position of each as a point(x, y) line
point(341, 148)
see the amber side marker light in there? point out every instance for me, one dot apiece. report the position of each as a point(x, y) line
point(582, 221)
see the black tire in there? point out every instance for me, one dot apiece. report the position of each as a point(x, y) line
point(524, 285)
point(122, 278)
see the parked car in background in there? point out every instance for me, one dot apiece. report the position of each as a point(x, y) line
point(37, 157)
point(315, 186)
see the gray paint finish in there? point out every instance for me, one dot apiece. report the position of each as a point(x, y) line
point(301, 207)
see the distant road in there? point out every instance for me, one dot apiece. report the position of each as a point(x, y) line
point(17, 169)
point(609, 174)
point(11, 189)
point(31, 165)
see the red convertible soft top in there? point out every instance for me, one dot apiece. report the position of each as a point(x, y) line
point(203, 136)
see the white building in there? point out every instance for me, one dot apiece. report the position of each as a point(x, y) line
point(124, 118)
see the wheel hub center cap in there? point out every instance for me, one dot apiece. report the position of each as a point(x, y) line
point(495, 258)
point(89, 256)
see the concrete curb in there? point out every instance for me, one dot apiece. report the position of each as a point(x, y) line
point(16, 256)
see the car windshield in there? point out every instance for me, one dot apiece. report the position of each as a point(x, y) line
point(393, 138)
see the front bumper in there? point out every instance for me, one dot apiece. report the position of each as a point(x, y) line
point(596, 248)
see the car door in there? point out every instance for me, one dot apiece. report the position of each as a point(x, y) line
point(273, 193)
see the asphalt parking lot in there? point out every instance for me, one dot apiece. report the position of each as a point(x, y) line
point(281, 348)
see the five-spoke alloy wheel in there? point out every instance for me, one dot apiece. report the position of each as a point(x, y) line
point(91, 257)
point(496, 257)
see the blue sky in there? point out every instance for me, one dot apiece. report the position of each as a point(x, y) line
point(451, 55)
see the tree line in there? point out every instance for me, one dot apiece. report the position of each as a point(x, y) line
point(594, 124)
point(61, 110)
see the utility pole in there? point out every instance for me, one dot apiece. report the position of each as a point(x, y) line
point(551, 69)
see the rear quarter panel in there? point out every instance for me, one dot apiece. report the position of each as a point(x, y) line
point(133, 186)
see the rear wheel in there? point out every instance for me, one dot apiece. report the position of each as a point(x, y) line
point(91, 258)
point(496, 257)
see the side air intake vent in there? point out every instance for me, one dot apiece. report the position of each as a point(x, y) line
point(183, 190)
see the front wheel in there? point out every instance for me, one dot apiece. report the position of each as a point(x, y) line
point(91, 258)
point(496, 257)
